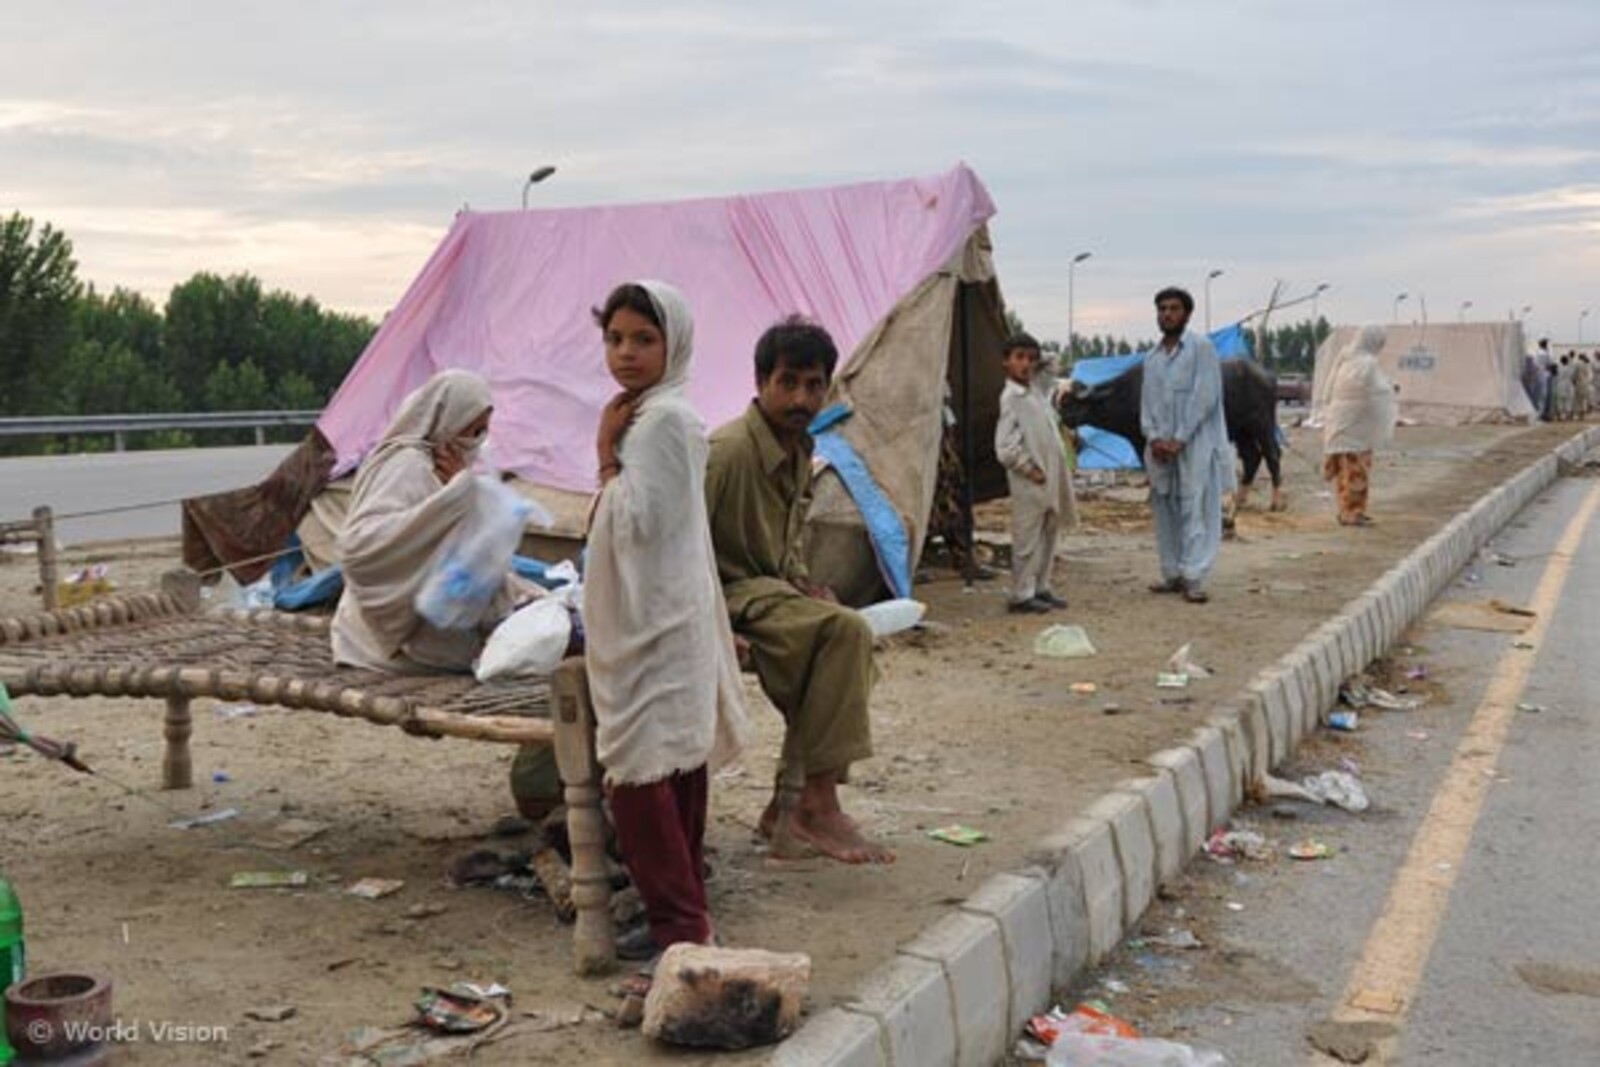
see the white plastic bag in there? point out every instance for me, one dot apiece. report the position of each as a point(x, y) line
point(892, 616)
point(530, 641)
point(1099, 1050)
point(471, 566)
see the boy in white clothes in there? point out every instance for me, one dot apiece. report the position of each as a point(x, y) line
point(1027, 441)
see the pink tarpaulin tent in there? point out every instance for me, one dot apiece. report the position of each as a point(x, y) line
point(508, 294)
point(899, 272)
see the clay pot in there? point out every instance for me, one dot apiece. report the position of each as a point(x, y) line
point(59, 1018)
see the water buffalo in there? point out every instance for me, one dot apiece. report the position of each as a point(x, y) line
point(1250, 405)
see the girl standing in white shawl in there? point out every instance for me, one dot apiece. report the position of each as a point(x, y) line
point(411, 492)
point(662, 669)
point(1361, 415)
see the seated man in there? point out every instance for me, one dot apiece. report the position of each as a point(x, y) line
point(812, 656)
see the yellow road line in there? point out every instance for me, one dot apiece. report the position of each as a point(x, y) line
point(1384, 981)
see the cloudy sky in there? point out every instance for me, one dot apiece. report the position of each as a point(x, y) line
point(1449, 150)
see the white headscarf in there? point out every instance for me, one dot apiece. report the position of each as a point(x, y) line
point(433, 415)
point(662, 670)
point(1361, 407)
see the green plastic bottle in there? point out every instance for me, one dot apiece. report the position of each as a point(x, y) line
point(11, 957)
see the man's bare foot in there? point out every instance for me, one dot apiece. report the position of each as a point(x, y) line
point(836, 835)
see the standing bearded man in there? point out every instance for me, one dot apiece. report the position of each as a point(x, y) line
point(1188, 458)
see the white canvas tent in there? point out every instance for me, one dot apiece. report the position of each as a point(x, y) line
point(1449, 375)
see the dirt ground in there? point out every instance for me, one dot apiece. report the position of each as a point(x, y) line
point(971, 726)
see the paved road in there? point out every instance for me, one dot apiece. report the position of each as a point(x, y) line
point(1462, 909)
point(72, 484)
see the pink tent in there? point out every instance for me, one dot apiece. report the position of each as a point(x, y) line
point(508, 294)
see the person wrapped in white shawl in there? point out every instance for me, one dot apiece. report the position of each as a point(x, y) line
point(663, 673)
point(411, 493)
point(1361, 415)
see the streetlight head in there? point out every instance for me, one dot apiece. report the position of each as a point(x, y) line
point(540, 175)
point(1324, 287)
point(1402, 296)
point(1081, 256)
point(1215, 274)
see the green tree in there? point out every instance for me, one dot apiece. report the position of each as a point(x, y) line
point(211, 321)
point(38, 287)
point(236, 387)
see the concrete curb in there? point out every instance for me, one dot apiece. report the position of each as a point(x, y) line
point(959, 992)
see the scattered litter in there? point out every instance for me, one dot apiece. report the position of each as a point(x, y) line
point(1522, 644)
point(1492, 615)
point(209, 818)
point(1339, 788)
point(1500, 559)
point(1087, 1018)
point(1111, 708)
point(241, 710)
point(1115, 985)
point(221, 777)
point(1170, 680)
point(423, 911)
point(375, 888)
point(1085, 688)
point(1310, 849)
point(1345, 721)
point(84, 585)
point(1234, 905)
point(956, 834)
point(269, 880)
point(1417, 735)
point(1349, 766)
point(1357, 694)
point(461, 1009)
point(1417, 673)
point(1063, 642)
point(1531, 707)
point(1226, 846)
point(1178, 938)
point(1181, 662)
point(271, 1013)
point(1086, 1050)
point(482, 992)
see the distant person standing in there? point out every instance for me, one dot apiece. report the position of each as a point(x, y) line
point(1027, 442)
point(1534, 383)
point(1582, 385)
point(1547, 368)
point(1361, 417)
point(1187, 456)
point(1564, 391)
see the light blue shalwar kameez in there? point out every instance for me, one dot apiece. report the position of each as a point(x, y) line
point(1182, 401)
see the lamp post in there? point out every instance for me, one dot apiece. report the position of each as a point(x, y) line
point(1213, 274)
point(535, 178)
point(1461, 315)
point(1581, 316)
point(1397, 302)
point(1072, 338)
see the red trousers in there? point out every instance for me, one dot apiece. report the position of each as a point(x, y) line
point(661, 829)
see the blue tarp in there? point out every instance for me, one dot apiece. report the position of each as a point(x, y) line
point(887, 533)
point(1103, 451)
point(326, 585)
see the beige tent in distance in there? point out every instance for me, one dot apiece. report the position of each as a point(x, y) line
point(1451, 374)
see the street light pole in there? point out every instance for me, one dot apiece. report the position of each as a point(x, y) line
point(1072, 342)
point(535, 178)
point(1461, 316)
point(1581, 316)
point(1397, 302)
point(1213, 274)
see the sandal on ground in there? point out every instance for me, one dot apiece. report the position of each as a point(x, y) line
point(1195, 595)
point(1170, 585)
point(635, 943)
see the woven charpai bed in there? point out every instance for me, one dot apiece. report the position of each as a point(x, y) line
point(161, 645)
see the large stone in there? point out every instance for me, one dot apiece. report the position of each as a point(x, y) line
point(730, 998)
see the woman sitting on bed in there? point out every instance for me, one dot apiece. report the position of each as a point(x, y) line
point(410, 493)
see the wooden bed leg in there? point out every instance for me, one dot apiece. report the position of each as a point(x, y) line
point(177, 771)
point(44, 525)
point(594, 940)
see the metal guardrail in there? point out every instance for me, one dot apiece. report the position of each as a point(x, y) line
point(119, 426)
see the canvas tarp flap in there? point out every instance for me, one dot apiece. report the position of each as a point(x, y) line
point(1449, 374)
point(509, 294)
